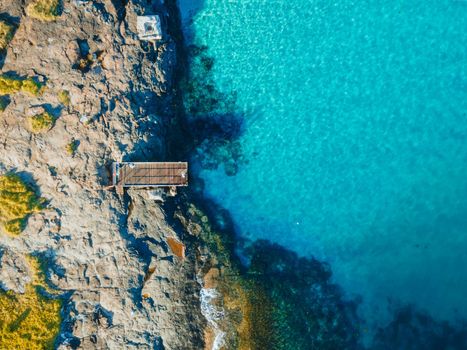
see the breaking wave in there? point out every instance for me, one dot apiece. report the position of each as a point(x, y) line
point(213, 314)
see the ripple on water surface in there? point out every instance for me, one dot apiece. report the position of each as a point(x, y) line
point(356, 139)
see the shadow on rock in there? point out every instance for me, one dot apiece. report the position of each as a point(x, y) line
point(9, 25)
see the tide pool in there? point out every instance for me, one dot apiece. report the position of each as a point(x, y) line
point(355, 140)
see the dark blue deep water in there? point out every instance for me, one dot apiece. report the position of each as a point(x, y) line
point(354, 143)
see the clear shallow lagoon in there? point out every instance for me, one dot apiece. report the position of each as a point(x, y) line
point(356, 140)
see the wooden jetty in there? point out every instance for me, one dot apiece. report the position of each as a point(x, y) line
point(149, 174)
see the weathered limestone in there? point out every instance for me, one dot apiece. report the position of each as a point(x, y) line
point(14, 271)
point(126, 288)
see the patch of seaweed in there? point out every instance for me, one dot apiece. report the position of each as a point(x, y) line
point(279, 301)
point(302, 306)
point(208, 118)
point(412, 329)
point(64, 97)
point(72, 147)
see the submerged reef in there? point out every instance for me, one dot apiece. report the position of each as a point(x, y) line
point(201, 96)
point(277, 301)
point(211, 120)
point(288, 302)
point(412, 329)
point(253, 306)
point(29, 320)
point(294, 303)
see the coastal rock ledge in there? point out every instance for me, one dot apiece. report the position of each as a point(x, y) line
point(101, 95)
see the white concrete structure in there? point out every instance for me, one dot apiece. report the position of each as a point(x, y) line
point(149, 28)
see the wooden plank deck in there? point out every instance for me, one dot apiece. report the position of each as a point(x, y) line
point(150, 174)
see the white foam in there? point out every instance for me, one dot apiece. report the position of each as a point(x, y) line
point(213, 314)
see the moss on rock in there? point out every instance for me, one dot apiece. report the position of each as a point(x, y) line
point(17, 201)
point(41, 122)
point(7, 31)
point(72, 147)
point(31, 87)
point(29, 320)
point(44, 10)
point(64, 97)
point(11, 85)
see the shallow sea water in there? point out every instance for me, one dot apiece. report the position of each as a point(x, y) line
point(356, 140)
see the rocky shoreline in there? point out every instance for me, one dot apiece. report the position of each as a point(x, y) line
point(112, 258)
point(131, 272)
point(108, 255)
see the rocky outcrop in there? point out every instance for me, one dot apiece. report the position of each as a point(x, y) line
point(124, 286)
point(170, 291)
point(14, 271)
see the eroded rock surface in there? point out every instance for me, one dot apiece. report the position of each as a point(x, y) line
point(14, 271)
point(126, 289)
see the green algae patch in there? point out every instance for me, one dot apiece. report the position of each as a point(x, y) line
point(305, 306)
point(30, 320)
point(11, 85)
point(41, 123)
point(31, 87)
point(7, 32)
point(72, 147)
point(17, 202)
point(44, 10)
point(64, 98)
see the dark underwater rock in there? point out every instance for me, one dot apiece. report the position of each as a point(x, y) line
point(212, 122)
point(306, 310)
point(414, 330)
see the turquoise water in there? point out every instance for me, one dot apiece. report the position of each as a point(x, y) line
point(355, 137)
